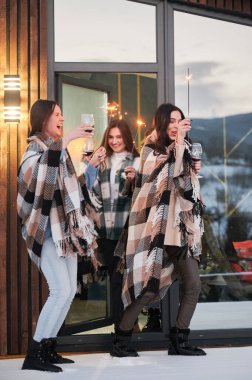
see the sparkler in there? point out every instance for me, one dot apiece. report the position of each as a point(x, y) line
point(188, 78)
point(112, 110)
point(140, 124)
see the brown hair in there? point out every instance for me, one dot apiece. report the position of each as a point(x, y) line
point(40, 113)
point(124, 128)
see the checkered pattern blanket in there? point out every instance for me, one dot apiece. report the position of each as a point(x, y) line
point(113, 220)
point(48, 188)
point(166, 210)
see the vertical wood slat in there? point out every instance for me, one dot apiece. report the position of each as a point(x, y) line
point(3, 187)
point(34, 77)
point(220, 4)
point(229, 5)
point(43, 50)
point(12, 212)
point(13, 244)
point(241, 6)
point(43, 93)
point(13, 37)
point(23, 132)
point(3, 238)
point(211, 3)
point(237, 5)
point(247, 6)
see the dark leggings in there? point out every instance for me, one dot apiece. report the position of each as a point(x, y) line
point(107, 248)
point(186, 270)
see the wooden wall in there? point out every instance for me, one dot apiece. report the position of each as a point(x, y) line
point(242, 7)
point(23, 52)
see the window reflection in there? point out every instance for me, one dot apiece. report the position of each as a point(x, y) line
point(104, 31)
point(220, 107)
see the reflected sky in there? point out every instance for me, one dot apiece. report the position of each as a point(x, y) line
point(219, 56)
point(104, 31)
point(218, 53)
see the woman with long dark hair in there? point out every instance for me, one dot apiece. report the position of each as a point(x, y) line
point(165, 229)
point(52, 206)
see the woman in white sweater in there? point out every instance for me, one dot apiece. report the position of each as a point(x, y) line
point(110, 175)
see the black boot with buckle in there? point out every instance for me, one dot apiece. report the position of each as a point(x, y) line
point(36, 358)
point(179, 343)
point(53, 356)
point(120, 347)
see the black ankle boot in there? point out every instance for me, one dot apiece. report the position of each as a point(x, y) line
point(53, 356)
point(120, 346)
point(36, 357)
point(179, 343)
point(153, 323)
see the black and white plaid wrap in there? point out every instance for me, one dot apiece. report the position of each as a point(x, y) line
point(162, 214)
point(48, 188)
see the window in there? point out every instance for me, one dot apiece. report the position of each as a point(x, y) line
point(104, 31)
point(219, 60)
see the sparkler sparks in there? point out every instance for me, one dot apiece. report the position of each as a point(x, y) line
point(188, 78)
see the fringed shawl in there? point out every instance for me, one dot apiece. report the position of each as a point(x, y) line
point(166, 211)
point(48, 188)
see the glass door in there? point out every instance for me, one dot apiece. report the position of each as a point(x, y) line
point(90, 309)
point(131, 96)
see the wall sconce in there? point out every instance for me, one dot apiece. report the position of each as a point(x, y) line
point(12, 111)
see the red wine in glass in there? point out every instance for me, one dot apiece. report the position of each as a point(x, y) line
point(90, 130)
point(88, 153)
point(88, 120)
point(196, 154)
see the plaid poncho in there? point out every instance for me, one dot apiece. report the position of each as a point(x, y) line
point(113, 220)
point(48, 188)
point(166, 210)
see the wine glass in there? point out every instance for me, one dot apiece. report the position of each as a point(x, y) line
point(88, 149)
point(88, 120)
point(196, 154)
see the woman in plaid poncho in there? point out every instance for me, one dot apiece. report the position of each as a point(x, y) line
point(165, 229)
point(52, 206)
point(108, 183)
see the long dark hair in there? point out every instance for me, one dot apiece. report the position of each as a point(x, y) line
point(161, 121)
point(40, 113)
point(124, 128)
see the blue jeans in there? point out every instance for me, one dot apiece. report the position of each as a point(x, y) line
point(61, 276)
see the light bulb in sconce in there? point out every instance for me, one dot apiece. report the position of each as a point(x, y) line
point(12, 113)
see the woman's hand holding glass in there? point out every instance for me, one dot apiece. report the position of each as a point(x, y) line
point(130, 172)
point(76, 133)
point(197, 166)
point(196, 155)
point(98, 157)
point(184, 126)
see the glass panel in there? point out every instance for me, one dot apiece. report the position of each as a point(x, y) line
point(78, 100)
point(90, 303)
point(104, 31)
point(216, 95)
point(107, 96)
